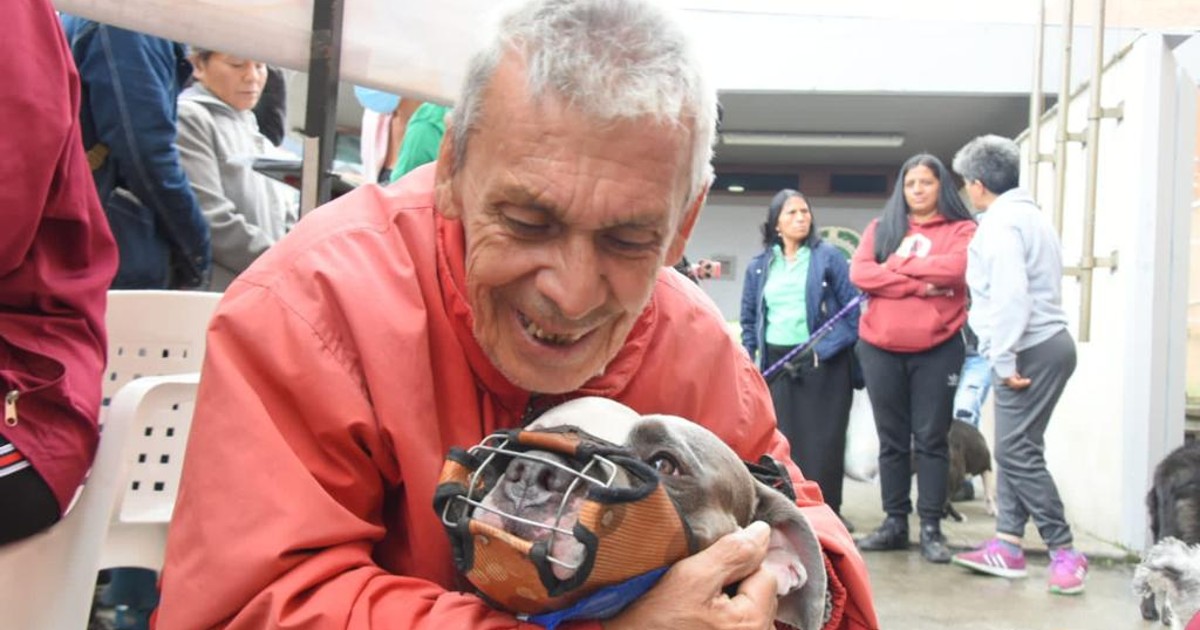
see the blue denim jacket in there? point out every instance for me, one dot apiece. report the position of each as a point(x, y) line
point(130, 82)
point(827, 290)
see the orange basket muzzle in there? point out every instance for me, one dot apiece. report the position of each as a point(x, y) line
point(627, 524)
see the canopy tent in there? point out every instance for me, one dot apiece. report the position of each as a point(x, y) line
point(409, 48)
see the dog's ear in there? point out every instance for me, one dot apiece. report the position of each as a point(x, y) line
point(794, 558)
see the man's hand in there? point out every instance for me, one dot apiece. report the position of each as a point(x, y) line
point(932, 290)
point(1017, 382)
point(690, 594)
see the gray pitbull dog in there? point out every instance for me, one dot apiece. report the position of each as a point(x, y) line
point(711, 487)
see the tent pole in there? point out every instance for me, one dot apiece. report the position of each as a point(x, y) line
point(320, 125)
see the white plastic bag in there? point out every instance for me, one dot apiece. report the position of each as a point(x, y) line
point(862, 441)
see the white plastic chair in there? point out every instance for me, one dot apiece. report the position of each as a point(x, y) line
point(153, 333)
point(47, 581)
point(161, 410)
point(120, 516)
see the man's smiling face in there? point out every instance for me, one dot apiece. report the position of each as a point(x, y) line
point(567, 223)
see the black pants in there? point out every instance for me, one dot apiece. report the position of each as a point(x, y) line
point(27, 505)
point(912, 396)
point(812, 407)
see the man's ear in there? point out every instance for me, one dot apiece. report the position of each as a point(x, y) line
point(795, 558)
point(686, 224)
point(445, 192)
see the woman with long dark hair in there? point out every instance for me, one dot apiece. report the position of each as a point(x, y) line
point(912, 264)
point(791, 289)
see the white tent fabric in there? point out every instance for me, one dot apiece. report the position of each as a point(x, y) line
point(414, 48)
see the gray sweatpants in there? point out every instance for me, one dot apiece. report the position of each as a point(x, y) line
point(1024, 488)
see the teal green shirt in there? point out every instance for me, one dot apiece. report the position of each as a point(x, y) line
point(422, 136)
point(787, 310)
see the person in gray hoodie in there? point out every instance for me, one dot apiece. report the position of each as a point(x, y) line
point(218, 141)
point(1014, 272)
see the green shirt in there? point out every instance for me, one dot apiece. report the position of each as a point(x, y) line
point(787, 309)
point(422, 136)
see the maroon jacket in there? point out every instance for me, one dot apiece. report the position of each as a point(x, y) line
point(897, 317)
point(57, 256)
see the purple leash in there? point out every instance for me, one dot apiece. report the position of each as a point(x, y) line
point(816, 336)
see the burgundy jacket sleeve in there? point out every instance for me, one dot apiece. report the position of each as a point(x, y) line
point(57, 256)
point(876, 279)
point(31, 150)
point(945, 269)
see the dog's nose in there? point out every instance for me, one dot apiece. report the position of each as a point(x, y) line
point(543, 476)
point(531, 482)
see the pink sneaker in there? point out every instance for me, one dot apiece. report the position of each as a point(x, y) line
point(993, 558)
point(1068, 571)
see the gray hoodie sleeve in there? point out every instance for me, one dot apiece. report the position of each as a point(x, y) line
point(1009, 302)
point(235, 242)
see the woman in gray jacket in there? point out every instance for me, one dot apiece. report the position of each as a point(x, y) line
point(218, 141)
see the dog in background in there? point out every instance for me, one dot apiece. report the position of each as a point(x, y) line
point(1171, 569)
point(1174, 507)
point(969, 455)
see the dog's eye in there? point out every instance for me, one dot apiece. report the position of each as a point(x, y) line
point(664, 464)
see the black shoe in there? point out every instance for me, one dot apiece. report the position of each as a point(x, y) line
point(933, 544)
point(965, 492)
point(891, 535)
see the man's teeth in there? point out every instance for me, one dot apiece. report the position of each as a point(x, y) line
point(541, 335)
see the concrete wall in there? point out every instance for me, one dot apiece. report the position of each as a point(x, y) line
point(1123, 409)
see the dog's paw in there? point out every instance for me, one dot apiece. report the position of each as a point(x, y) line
point(989, 504)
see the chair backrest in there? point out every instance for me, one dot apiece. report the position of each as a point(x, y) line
point(159, 412)
point(47, 581)
point(153, 333)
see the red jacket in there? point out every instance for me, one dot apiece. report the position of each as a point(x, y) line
point(897, 317)
point(57, 257)
point(340, 370)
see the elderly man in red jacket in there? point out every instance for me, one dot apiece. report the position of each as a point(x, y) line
point(57, 259)
point(523, 269)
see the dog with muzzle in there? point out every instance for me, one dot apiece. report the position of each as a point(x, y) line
point(586, 507)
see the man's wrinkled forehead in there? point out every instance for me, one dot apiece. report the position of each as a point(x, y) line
point(509, 94)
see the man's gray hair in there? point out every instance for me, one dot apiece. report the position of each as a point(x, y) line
point(611, 59)
point(993, 160)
